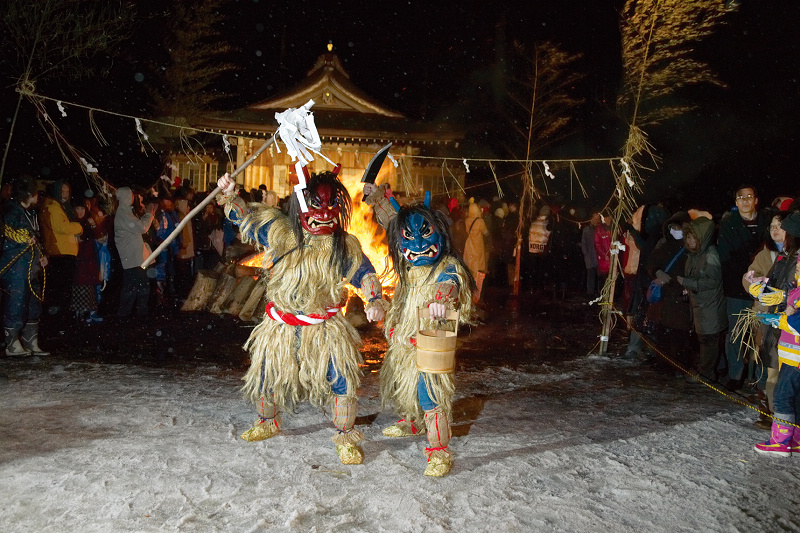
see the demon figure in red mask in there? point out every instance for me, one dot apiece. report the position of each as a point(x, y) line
point(304, 349)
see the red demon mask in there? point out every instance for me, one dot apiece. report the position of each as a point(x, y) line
point(322, 217)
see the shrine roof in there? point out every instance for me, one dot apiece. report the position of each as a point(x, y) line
point(342, 112)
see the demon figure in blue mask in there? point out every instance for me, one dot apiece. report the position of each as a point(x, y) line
point(421, 242)
point(430, 275)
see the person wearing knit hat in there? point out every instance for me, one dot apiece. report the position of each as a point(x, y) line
point(791, 224)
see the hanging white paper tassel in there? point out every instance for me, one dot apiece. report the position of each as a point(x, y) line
point(466, 166)
point(139, 129)
point(61, 108)
point(90, 169)
point(626, 171)
point(547, 171)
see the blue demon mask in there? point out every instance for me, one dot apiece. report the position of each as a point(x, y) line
point(420, 241)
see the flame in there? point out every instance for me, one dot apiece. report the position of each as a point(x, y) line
point(255, 260)
point(369, 233)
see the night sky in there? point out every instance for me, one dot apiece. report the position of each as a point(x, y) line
point(436, 60)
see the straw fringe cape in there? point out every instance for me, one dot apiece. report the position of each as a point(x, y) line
point(399, 375)
point(291, 362)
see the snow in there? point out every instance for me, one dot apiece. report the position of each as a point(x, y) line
point(574, 444)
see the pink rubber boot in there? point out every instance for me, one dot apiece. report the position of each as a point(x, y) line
point(780, 441)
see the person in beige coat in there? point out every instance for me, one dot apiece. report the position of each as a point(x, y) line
point(474, 249)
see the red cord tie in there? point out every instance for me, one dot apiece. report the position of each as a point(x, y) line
point(411, 340)
point(413, 429)
point(429, 451)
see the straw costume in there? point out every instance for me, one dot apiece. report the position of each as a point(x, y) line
point(304, 349)
point(428, 273)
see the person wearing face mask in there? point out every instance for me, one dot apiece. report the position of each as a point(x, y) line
point(671, 315)
point(430, 275)
point(304, 348)
point(702, 279)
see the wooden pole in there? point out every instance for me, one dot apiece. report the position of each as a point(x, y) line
point(208, 199)
point(515, 286)
point(608, 307)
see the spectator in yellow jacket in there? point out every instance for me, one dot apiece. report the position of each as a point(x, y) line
point(60, 236)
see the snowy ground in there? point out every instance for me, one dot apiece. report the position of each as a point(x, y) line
point(567, 443)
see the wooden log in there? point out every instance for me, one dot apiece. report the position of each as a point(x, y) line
point(253, 308)
point(239, 296)
point(204, 284)
point(225, 287)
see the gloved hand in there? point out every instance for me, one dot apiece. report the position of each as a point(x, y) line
point(770, 319)
point(663, 277)
point(755, 289)
point(774, 297)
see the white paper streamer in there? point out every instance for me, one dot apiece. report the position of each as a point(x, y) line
point(61, 108)
point(88, 166)
point(140, 130)
point(226, 144)
point(299, 134)
point(547, 171)
point(616, 246)
point(626, 171)
point(392, 159)
point(466, 166)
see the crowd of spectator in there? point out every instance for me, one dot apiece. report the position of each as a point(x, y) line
point(703, 268)
point(72, 257)
point(84, 255)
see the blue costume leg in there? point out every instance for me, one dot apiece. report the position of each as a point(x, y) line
point(425, 400)
point(344, 412)
point(440, 460)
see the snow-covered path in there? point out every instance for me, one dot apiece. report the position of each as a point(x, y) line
point(587, 444)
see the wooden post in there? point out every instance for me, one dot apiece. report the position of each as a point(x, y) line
point(608, 307)
point(518, 253)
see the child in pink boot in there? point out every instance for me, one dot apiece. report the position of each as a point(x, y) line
point(785, 436)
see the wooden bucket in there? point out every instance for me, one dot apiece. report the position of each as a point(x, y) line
point(436, 348)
